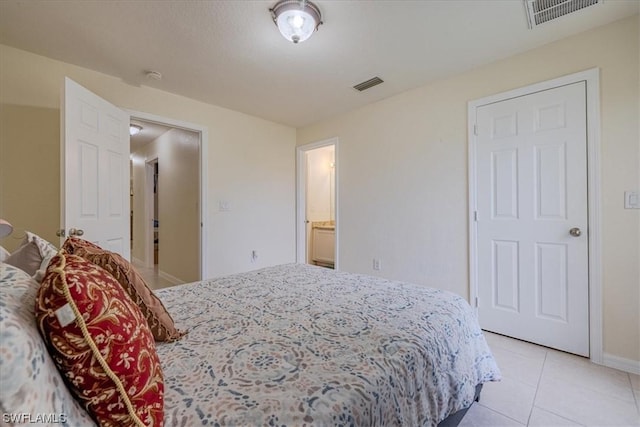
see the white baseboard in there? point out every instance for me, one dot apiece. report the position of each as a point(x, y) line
point(620, 363)
point(174, 280)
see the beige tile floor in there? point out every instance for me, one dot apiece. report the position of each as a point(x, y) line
point(151, 276)
point(545, 387)
point(541, 387)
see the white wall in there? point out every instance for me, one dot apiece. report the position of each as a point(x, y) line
point(403, 172)
point(251, 161)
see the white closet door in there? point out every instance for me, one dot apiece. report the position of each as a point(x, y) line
point(532, 241)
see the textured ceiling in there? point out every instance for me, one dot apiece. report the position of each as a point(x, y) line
point(229, 53)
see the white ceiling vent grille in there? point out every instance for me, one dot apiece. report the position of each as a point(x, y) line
point(541, 11)
point(368, 84)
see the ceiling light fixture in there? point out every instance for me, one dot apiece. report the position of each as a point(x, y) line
point(134, 129)
point(296, 19)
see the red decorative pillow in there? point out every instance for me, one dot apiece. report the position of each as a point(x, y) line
point(74, 243)
point(101, 343)
point(158, 318)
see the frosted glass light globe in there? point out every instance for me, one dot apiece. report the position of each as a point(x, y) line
point(296, 19)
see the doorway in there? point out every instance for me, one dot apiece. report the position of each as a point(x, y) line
point(152, 199)
point(167, 200)
point(317, 226)
point(109, 224)
point(534, 228)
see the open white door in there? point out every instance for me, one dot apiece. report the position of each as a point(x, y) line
point(94, 169)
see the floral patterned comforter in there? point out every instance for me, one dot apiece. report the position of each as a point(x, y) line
point(299, 345)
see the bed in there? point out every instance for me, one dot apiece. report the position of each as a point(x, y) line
point(288, 345)
point(298, 344)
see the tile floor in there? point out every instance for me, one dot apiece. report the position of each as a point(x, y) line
point(540, 387)
point(151, 276)
point(545, 387)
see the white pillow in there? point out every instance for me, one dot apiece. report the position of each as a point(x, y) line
point(31, 383)
point(47, 251)
point(27, 258)
point(3, 254)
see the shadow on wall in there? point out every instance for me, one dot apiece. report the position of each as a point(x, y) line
point(29, 171)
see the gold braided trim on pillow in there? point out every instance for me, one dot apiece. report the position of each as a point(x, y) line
point(94, 348)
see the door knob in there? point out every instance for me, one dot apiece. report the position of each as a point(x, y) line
point(61, 232)
point(76, 232)
point(575, 232)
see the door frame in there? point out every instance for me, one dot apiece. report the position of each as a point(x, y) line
point(591, 78)
point(301, 197)
point(204, 173)
point(149, 207)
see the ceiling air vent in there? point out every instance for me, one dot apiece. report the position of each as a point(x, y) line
point(369, 83)
point(541, 11)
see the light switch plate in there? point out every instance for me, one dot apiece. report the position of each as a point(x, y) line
point(631, 200)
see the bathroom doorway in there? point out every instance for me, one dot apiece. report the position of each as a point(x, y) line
point(317, 203)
